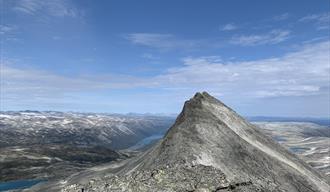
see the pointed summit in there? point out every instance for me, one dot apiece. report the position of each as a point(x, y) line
point(201, 103)
point(211, 148)
point(209, 133)
point(204, 97)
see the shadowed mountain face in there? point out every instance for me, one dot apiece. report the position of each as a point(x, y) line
point(209, 148)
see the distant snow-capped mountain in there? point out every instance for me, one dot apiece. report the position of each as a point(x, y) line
point(113, 131)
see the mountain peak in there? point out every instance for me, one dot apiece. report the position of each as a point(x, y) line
point(203, 96)
point(202, 100)
point(215, 149)
point(200, 95)
point(209, 133)
point(206, 98)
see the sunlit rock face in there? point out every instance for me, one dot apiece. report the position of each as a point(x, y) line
point(209, 148)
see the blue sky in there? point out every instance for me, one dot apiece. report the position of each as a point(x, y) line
point(261, 57)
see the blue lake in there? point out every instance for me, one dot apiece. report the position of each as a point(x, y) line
point(146, 141)
point(279, 138)
point(298, 149)
point(18, 184)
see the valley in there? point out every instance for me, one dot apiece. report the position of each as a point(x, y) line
point(54, 145)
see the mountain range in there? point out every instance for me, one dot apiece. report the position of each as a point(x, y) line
point(52, 145)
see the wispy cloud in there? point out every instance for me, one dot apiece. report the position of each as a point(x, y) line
point(5, 29)
point(18, 82)
point(229, 27)
point(321, 20)
point(163, 41)
point(8, 33)
point(300, 73)
point(149, 56)
point(55, 8)
point(281, 17)
point(200, 61)
point(272, 37)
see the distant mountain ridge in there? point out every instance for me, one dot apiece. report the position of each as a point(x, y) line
point(112, 130)
point(320, 121)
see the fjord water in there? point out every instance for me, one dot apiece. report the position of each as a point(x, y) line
point(18, 184)
point(146, 141)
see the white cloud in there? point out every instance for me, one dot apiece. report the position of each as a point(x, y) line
point(189, 61)
point(281, 17)
point(55, 8)
point(25, 83)
point(149, 56)
point(5, 29)
point(322, 20)
point(304, 72)
point(163, 41)
point(8, 33)
point(272, 37)
point(301, 73)
point(228, 27)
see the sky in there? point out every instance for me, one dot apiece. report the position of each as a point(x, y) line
point(265, 58)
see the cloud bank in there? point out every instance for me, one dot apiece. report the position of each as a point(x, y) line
point(300, 73)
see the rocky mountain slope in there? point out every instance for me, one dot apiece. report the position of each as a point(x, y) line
point(209, 148)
